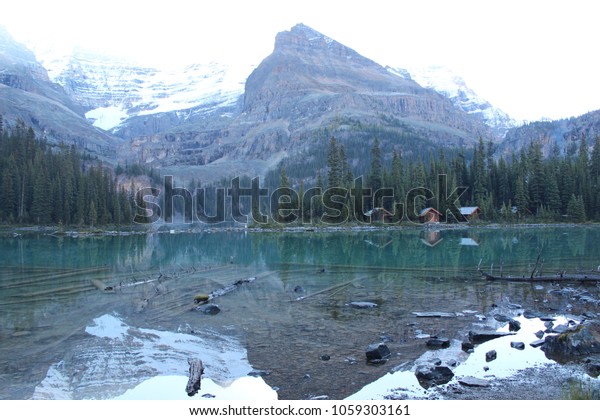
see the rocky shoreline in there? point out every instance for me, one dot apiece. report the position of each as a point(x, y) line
point(565, 365)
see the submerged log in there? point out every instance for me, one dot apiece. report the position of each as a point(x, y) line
point(100, 285)
point(195, 372)
point(557, 277)
point(203, 299)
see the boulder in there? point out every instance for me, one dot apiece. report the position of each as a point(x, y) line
point(559, 329)
point(592, 366)
point(514, 325)
point(377, 351)
point(517, 345)
point(473, 382)
point(531, 314)
point(539, 334)
point(430, 375)
point(210, 309)
point(536, 343)
point(502, 318)
point(574, 344)
point(440, 343)
point(491, 355)
point(467, 347)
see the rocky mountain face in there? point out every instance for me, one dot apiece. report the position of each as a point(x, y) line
point(114, 92)
point(308, 85)
point(28, 94)
point(564, 134)
point(452, 86)
point(212, 120)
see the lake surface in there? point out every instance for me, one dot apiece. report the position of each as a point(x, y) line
point(63, 337)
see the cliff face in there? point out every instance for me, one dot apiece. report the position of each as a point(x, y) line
point(27, 94)
point(309, 82)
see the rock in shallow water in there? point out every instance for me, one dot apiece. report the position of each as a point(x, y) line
point(363, 305)
point(377, 351)
point(430, 375)
point(473, 382)
point(438, 343)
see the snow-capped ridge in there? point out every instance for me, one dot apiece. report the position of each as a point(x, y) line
point(454, 87)
point(113, 90)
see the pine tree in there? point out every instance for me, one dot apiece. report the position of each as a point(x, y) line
point(334, 175)
point(375, 180)
point(576, 209)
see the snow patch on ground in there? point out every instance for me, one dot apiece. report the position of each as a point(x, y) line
point(116, 359)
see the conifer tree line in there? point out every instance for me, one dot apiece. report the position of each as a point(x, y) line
point(561, 187)
point(43, 184)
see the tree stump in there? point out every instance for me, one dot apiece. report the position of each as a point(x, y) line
point(195, 371)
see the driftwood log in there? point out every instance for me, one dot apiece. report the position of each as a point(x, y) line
point(202, 299)
point(557, 277)
point(195, 376)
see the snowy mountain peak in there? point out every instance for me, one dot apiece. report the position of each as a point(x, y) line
point(452, 86)
point(113, 90)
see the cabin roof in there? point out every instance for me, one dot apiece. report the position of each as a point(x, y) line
point(467, 211)
point(427, 210)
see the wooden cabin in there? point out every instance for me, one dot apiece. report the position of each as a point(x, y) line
point(429, 215)
point(379, 214)
point(470, 213)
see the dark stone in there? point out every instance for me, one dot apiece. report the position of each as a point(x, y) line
point(531, 314)
point(298, 289)
point(549, 325)
point(434, 314)
point(438, 343)
point(210, 309)
point(429, 375)
point(363, 305)
point(377, 351)
point(325, 357)
point(547, 318)
point(259, 373)
point(208, 396)
point(452, 363)
point(514, 325)
point(502, 318)
point(559, 329)
point(574, 344)
point(436, 362)
point(592, 367)
point(478, 337)
point(539, 334)
point(467, 347)
point(473, 382)
point(536, 343)
point(517, 345)
point(491, 355)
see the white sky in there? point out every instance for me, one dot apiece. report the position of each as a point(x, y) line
point(533, 59)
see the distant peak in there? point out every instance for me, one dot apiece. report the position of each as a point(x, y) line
point(301, 35)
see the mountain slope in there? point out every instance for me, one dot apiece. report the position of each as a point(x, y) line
point(310, 87)
point(112, 91)
point(27, 94)
point(453, 87)
point(564, 134)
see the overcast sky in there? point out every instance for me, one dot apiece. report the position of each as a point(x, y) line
point(533, 59)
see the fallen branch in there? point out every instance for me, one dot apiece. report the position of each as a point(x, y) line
point(202, 299)
point(557, 277)
point(195, 376)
